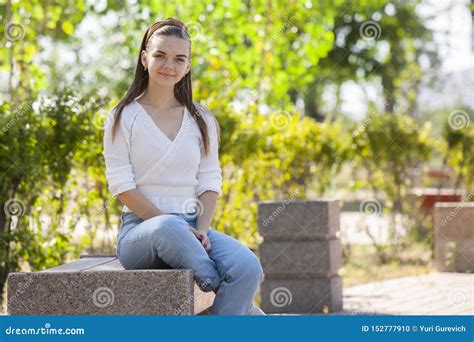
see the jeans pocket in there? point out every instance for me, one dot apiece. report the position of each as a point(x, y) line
point(130, 220)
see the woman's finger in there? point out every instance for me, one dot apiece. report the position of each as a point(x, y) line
point(207, 244)
point(197, 234)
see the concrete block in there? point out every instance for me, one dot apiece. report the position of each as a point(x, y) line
point(454, 236)
point(301, 258)
point(454, 255)
point(303, 295)
point(283, 220)
point(454, 220)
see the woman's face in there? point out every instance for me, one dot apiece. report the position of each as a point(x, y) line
point(167, 59)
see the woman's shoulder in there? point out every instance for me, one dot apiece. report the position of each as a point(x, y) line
point(129, 112)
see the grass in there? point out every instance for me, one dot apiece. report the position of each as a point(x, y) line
point(361, 265)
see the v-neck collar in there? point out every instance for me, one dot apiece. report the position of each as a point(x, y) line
point(152, 125)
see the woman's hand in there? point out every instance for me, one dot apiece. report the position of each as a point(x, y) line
point(203, 238)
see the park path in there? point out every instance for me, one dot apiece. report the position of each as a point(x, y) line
point(437, 293)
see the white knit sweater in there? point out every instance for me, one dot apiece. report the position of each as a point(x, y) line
point(171, 174)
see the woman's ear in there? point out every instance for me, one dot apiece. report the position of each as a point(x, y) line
point(143, 59)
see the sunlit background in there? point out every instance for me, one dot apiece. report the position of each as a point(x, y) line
point(368, 102)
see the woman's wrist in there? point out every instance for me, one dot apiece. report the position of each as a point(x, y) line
point(202, 230)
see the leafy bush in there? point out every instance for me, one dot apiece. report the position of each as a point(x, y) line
point(459, 147)
point(39, 143)
point(386, 147)
point(270, 157)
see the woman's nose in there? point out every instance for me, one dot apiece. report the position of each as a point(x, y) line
point(168, 64)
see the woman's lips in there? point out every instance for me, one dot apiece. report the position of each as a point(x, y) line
point(166, 75)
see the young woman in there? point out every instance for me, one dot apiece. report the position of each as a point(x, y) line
point(161, 156)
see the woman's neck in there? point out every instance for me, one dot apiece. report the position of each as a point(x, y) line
point(159, 97)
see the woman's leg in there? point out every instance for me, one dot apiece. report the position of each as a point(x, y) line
point(241, 275)
point(166, 241)
point(239, 269)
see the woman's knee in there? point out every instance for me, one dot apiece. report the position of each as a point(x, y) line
point(250, 269)
point(258, 270)
point(162, 233)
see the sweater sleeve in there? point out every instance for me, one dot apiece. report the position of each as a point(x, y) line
point(118, 168)
point(209, 175)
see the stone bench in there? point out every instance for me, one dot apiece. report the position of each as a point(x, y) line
point(99, 285)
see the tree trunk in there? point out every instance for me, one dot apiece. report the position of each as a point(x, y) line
point(311, 107)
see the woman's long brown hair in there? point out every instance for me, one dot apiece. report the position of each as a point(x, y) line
point(182, 90)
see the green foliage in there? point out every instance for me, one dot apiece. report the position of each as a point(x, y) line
point(273, 156)
point(23, 23)
point(256, 45)
point(262, 56)
point(459, 149)
point(386, 147)
point(377, 42)
point(38, 148)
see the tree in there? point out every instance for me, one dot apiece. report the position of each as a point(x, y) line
point(375, 41)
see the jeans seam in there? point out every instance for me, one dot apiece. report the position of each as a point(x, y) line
point(134, 240)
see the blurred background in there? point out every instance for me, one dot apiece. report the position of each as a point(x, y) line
point(369, 102)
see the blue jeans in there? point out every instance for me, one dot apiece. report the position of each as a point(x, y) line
point(230, 268)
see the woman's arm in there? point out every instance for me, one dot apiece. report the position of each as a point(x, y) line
point(209, 201)
point(209, 176)
point(119, 170)
point(139, 204)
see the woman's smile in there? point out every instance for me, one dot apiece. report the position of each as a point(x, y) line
point(166, 75)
